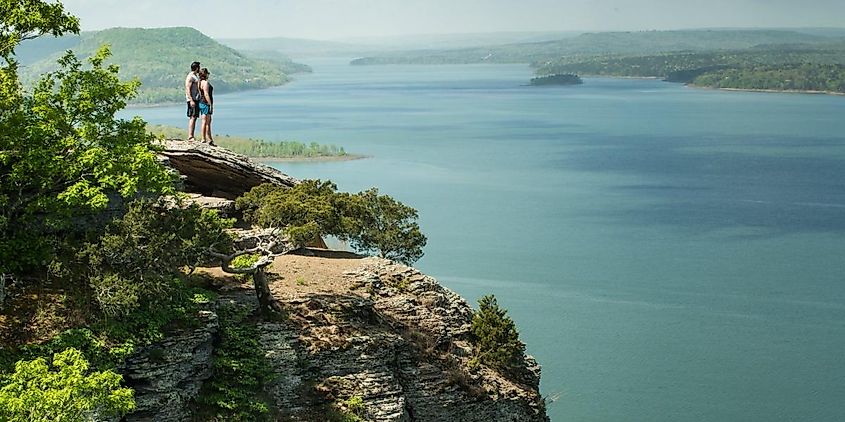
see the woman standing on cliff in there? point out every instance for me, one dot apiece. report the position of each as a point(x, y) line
point(206, 106)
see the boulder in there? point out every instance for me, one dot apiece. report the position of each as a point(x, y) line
point(218, 172)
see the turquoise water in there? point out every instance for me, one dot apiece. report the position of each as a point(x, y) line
point(669, 254)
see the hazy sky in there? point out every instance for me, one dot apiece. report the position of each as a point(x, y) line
point(339, 19)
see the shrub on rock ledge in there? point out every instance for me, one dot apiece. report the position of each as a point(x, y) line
point(497, 341)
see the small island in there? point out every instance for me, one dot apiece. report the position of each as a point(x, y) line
point(557, 79)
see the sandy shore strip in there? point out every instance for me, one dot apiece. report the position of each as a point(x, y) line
point(347, 157)
point(769, 91)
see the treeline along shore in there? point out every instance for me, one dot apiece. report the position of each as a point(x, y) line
point(757, 60)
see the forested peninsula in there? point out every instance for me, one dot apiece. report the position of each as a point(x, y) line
point(772, 67)
point(157, 58)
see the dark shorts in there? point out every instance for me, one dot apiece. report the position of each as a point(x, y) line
point(193, 111)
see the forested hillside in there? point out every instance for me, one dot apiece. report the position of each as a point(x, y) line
point(766, 67)
point(161, 57)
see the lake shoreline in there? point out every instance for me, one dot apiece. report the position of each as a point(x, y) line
point(348, 157)
point(769, 91)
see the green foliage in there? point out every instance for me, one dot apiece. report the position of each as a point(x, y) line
point(557, 79)
point(245, 261)
point(381, 223)
point(63, 154)
point(258, 148)
point(67, 392)
point(160, 59)
point(240, 371)
point(355, 405)
point(803, 77)
point(93, 347)
point(349, 410)
point(771, 67)
point(137, 262)
point(305, 211)
point(24, 19)
point(371, 222)
point(497, 342)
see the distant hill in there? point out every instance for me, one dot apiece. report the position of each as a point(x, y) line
point(161, 57)
point(294, 46)
point(465, 40)
point(31, 51)
point(298, 47)
point(591, 44)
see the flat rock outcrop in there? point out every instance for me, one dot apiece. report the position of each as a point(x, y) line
point(218, 172)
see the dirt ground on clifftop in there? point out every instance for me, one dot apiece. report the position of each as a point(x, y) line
point(295, 275)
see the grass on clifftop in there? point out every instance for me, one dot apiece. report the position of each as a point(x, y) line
point(257, 148)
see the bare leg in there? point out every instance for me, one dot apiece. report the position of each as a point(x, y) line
point(203, 127)
point(207, 133)
point(192, 124)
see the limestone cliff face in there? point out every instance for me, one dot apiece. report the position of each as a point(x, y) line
point(168, 375)
point(392, 336)
point(402, 346)
point(398, 340)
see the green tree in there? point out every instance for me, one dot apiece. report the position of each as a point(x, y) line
point(384, 225)
point(27, 19)
point(66, 393)
point(313, 208)
point(138, 261)
point(497, 341)
point(304, 212)
point(63, 154)
point(300, 214)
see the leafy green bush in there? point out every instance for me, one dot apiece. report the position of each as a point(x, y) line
point(136, 263)
point(67, 392)
point(497, 341)
point(240, 371)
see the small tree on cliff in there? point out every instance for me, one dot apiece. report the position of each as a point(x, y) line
point(497, 342)
point(384, 225)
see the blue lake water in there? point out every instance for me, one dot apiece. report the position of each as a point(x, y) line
point(669, 254)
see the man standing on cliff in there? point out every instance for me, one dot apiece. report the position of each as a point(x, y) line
point(192, 96)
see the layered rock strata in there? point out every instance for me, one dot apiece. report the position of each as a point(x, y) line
point(218, 172)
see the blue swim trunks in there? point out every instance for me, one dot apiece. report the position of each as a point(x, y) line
point(205, 109)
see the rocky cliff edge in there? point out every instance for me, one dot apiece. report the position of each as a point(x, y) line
point(356, 327)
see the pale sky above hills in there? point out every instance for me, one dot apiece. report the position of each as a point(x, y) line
point(340, 19)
